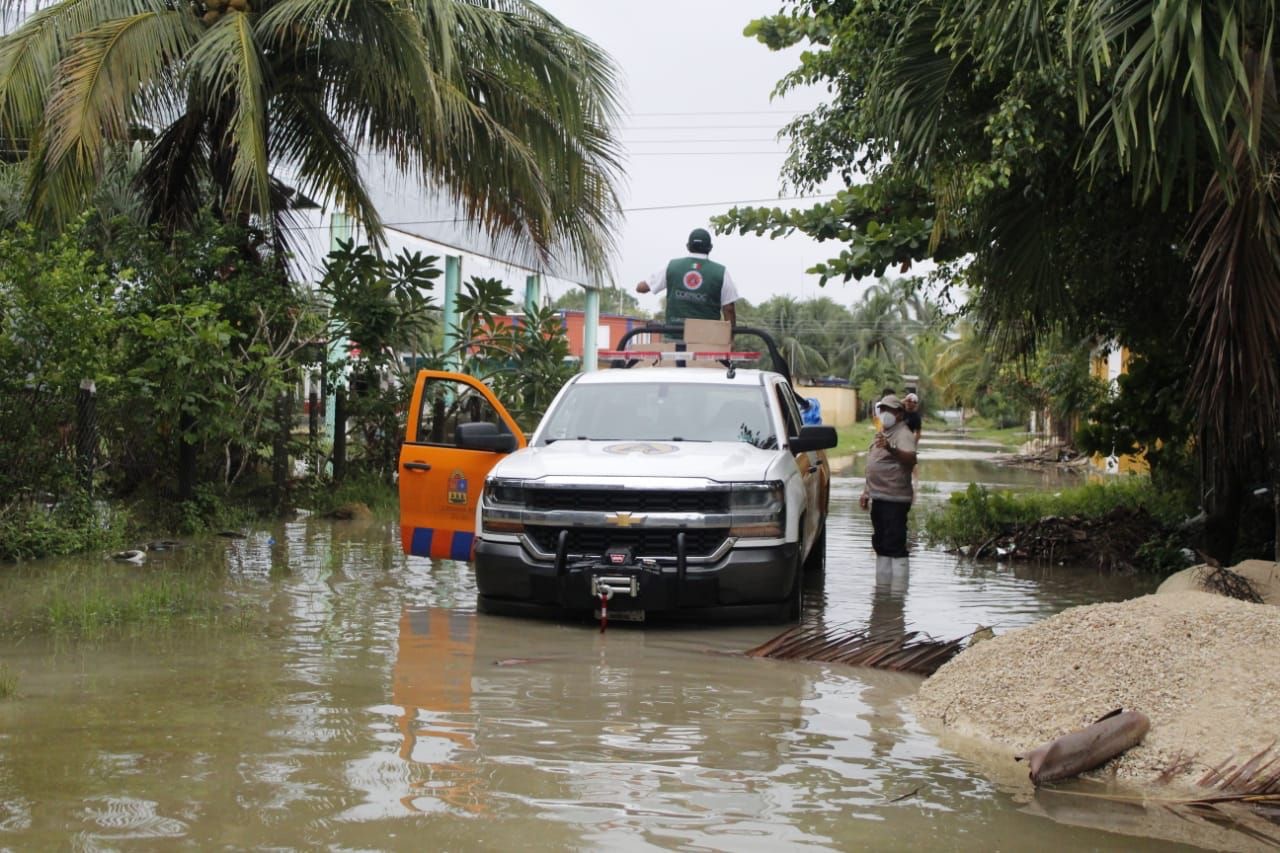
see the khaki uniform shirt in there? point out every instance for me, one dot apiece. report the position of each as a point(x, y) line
point(887, 478)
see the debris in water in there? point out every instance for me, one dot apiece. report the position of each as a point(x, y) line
point(518, 661)
point(1087, 748)
point(911, 651)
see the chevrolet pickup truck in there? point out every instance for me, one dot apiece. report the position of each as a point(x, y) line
point(673, 491)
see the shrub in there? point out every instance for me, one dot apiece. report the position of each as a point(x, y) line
point(30, 530)
point(977, 514)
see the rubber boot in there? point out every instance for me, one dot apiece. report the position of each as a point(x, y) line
point(884, 569)
point(900, 569)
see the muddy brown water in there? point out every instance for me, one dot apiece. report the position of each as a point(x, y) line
point(377, 710)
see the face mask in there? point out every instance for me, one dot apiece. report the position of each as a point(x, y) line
point(888, 419)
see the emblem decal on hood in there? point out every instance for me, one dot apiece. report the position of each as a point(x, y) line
point(648, 448)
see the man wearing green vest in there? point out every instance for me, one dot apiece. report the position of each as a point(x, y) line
point(697, 288)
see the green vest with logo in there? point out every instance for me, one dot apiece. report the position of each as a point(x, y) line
point(693, 290)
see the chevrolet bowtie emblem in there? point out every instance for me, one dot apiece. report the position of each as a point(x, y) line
point(623, 519)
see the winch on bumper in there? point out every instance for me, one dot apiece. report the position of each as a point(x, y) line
point(741, 583)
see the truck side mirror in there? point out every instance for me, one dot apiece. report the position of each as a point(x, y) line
point(483, 436)
point(813, 438)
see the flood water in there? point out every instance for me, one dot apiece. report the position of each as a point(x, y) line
point(374, 709)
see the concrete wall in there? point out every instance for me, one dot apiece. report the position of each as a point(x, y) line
point(839, 405)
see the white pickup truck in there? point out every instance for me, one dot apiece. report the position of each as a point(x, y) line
point(674, 491)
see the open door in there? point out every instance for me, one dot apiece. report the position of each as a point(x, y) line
point(455, 433)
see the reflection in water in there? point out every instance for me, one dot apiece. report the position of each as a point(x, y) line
point(431, 683)
point(889, 596)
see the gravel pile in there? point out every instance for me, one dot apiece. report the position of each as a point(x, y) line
point(1205, 670)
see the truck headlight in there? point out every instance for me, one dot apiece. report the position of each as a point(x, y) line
point(502, 506)
point(758, 510)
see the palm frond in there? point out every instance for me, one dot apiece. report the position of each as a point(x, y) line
point(908, 651)
point(1234, 303)
point(174, 172)
point(1182, 80)
point(226, 67)
point(29, 55)
point(305, 137)
point(111, 75)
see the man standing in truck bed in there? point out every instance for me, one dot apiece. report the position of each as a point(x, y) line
point(697, 287)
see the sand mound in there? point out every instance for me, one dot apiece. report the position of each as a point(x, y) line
point(1262, 574)
point(1203, 668)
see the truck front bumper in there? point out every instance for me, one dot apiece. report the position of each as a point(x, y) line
point(746, 583)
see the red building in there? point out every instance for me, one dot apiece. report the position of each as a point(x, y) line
point(612, 328)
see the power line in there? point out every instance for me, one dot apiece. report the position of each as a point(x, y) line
point(701, 127)
point(703, 153)
point(686, 206)
point(686, 141)
point(721, 203)
point(722, 113)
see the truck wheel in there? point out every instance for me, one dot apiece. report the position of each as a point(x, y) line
point(793, 607)
point(816, 562)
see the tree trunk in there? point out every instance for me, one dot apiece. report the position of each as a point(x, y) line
point(86, 433)
point(186, 457)
point(280, 452)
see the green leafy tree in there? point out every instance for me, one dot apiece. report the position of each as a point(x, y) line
point(1098, 167)
point(497, 104)
point(381, 307)
point(208, 343)
point(57, 327)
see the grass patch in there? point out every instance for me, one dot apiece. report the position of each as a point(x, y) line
point(855, 438)
point(1009, 438)
point(92, 600)
point(8, 682)
point(978, 513)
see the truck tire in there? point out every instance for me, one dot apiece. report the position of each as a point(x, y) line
point(816, 562)
point(793, 607)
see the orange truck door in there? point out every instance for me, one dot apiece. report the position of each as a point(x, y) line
point(455, 433)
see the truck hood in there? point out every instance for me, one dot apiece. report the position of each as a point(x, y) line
point(722, 461)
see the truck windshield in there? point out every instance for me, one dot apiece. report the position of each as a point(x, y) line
point(662, 411)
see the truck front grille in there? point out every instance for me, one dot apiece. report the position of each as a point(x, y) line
point(627, 500)
point(656, 542)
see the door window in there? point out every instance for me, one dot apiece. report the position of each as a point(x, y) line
point(787, 404)
point(446, 405)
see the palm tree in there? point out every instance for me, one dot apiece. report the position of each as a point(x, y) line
point(1217, 103)
point(828, 327)
point(496, 104)
point(783, 317)
point(881, 320)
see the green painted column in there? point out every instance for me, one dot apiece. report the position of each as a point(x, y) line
point(452, 282)
point(340, 230)
point(590, 323)
point(532, 292)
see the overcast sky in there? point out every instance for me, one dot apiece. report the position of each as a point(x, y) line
point(699, 126)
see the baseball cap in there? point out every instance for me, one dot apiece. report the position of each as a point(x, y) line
point(889, 401)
